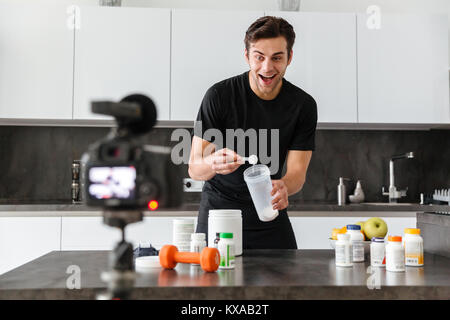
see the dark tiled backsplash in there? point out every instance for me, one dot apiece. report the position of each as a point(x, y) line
point(35, 162)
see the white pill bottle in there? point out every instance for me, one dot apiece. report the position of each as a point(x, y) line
point(343, 251)
point(357, 240)
point(377, 252)
point(413, 243)
point(395, 254)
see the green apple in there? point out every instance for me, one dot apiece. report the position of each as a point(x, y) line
point(375, 227)
point(361, 224)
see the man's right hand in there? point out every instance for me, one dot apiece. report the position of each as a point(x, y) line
point(224, 161)
point(205, 162)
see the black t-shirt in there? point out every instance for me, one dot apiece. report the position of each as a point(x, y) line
point(232, 104)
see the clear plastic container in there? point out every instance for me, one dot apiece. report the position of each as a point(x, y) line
point(343, 251)
point(198, 242)
point(395, 254)
point(413, 244)
point(357, 239)
point(259, 184)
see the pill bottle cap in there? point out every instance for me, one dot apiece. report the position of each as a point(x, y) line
point(395, 239)
point(353, 227)
point(377, 239)
point(226, 235)
point(412, 231)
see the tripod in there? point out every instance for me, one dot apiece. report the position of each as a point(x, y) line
point(121, 276)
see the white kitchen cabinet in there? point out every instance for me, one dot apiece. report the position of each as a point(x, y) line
point(87, 233)
point(207, 47)
point(324, 62)
point(156, 231)
point(403, 69)
point(313, 232)
point(23, 239)
point(121, 51)
point(90, 233)
point(36, 69)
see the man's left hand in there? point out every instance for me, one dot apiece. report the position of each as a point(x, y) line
point(280, 191)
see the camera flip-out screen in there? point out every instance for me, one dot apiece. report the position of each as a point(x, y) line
point(112, 182)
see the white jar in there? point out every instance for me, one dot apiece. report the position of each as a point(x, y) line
point(183, 226)
point(377, 252)
point(395, 254)
point(357, 240)
point(181, 236)
point(413, 244)
point(226, 251)
point(343, 251)
point(226, 220)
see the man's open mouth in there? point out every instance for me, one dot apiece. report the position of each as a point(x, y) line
point(267, 80)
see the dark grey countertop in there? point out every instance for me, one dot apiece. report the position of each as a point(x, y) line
point(193, 207)
point(259, 274)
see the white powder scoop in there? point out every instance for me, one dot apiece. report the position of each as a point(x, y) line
point(253, 159)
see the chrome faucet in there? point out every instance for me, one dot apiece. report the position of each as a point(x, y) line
point(393, 193)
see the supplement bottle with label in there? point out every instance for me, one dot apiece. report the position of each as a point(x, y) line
point(226, 250)
point(413, 244)
point(357, 240)
point(343, 250)
point(377, 252)
point(395, 254)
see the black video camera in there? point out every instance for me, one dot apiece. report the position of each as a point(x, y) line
point(118, 172)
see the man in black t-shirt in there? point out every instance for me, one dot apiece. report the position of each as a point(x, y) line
point(284, 118)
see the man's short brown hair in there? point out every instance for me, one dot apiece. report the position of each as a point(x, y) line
point(270, 27)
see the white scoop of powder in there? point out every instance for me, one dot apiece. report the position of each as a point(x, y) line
point(253, 159)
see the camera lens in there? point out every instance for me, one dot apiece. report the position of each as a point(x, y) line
point(113, 152)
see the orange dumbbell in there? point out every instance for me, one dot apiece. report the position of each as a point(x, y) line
point(208, 259)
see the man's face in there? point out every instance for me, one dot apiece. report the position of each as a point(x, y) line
point(268, 60)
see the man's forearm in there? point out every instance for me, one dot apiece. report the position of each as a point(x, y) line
point(293, 183)
point(201, 171)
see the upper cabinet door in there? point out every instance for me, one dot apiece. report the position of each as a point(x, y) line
point(120, 51)
point(324, 62)
point(207, 47)
point(403, 69)
point(36, 50)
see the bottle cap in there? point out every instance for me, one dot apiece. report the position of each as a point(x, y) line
point(378, 239)
point(353, 227)
point(226, 235)
point(198, 236)
point(412, 231)
point(395, 239)
point(343, 236)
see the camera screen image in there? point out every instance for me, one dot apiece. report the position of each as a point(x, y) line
point(112, 182)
